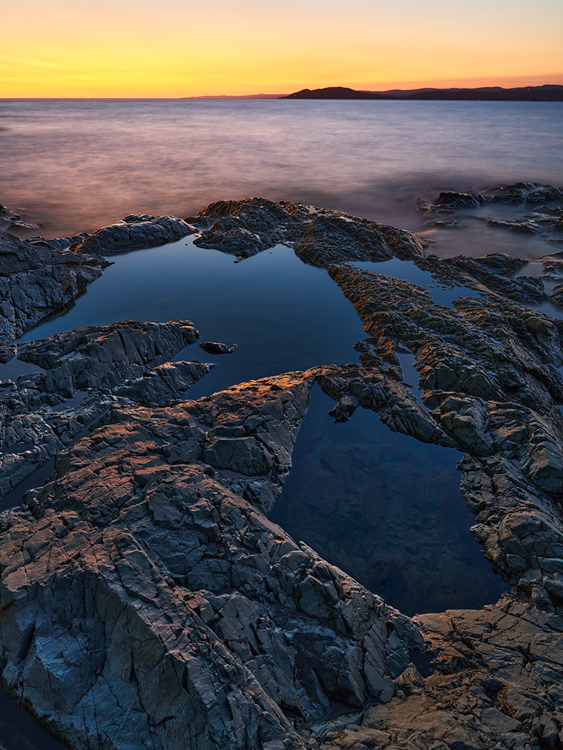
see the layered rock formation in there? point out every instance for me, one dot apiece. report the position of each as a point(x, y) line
point(35, 281)
point(45, 410)
point(318, 236)
point(147, 601)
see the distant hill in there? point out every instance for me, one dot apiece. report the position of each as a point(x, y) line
point(336, 92)
point(546, 93)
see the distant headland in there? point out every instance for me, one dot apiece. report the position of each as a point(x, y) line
point(546, 93)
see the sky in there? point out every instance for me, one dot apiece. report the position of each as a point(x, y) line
point(176, 48)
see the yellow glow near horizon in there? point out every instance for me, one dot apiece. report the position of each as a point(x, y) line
point(82, 48)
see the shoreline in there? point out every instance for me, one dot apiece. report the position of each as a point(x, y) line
point(159, 513)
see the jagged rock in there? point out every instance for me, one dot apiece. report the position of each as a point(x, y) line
point(146, 599)
point(518, 194)
point(80, 367)
point(60, 243)
point(449, 202)
point(491, 272)
point(134, 232)
point(36, 281)
point(318, 236)
point(524, 193)
point(556, 296)
point(187, 605)
point(491, 687)
point(164, 384)
point(214, 347)
point(397, 407)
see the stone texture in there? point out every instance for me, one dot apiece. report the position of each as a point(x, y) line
point(215, 347)
point(146, 599)
point(35, 281)
point(43, 411)
point(134, 232)
point(318, 236)
point(192, 620)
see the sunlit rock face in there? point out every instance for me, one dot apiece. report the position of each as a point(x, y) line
point(76, 372)
point(172, 594)
point(146, 600)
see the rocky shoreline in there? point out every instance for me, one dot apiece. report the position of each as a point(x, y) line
point(146, 600)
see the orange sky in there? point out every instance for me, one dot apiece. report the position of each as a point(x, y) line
point(172, 48)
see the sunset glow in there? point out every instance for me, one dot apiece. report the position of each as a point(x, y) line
point(76, 48)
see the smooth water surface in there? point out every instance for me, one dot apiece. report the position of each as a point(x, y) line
point(79, 164)
point(388, 510)
point(283, 314)
point(18, 730)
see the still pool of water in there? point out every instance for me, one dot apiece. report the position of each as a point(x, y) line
point(283, 314)
point(388, 510)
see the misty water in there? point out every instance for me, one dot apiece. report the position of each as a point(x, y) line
point(74, 165)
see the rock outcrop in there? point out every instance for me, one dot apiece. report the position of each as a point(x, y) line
point(147, 600)
point(136, 231)
point(36, 281)
point(520, 194)
point(318, 236)
point(43, 411)
point(193, 620)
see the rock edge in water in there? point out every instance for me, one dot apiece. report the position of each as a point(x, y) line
point(145, 598)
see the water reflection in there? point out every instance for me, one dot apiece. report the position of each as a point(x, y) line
point(283, 314)
point(388, 510)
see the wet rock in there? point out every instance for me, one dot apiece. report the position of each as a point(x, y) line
point(517, 194)
point(214, 347)
point(453, 224)
point(35, 281)
point(449, 202)
point(101, 356)
point(134, 232)
point(491, 272)
point(524, 193)
point(60, 243)
point(556, 296)
point(145, 597)
point(379, 391)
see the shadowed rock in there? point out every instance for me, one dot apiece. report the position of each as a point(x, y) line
point(188, 606)
point(35, 281)
point(43, 411)
point(318, 236)
point(134, 232)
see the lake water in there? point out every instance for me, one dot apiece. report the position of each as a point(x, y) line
point(76, 165)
